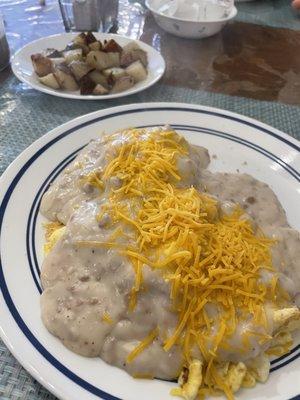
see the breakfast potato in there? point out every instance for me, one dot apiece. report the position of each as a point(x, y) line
point(99, 90)
point(111, 46)
point(129, 57)
point(72, 55)
point(137, 71)
point(50, 81)
point(95, 46)
point(87, 85)
point(123, 83)
point(79, 69)
point(107, 67)
point(65, 78)
point(80, 40)
point(114, 73)
point(101, 60)
point(98, 78)
point(57, 61)
point(90, 38)
point(42, 65)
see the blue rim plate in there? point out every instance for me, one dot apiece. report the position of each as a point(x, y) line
point(238, 144)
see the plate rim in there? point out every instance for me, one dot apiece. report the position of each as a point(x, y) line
point(68, 95)
point(13, 169)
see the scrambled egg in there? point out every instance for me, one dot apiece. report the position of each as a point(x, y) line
point(190, 381)
point(287, 318)
point(235, 376)
point(241, 374)
point(54, 231)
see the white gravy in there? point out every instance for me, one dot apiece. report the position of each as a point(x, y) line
point(81, 284)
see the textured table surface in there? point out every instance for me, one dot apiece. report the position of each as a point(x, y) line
point(252, 67)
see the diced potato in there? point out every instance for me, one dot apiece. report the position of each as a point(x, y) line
point(87, 86)
point(128, 57)
point(112, 46)
point(98, 78)
point(101, 60)
point(90, 38)
point(123, 83)
point(73, 55)
point(100, 90)
point(115, 73)
point(95, 46)
point(81, 39)
point(79, 69)
point(113, 59)
point(42, 65)
point(131, 46)
point(65, 78)
point(57, 61)
point(50, 81)
point(137, 71)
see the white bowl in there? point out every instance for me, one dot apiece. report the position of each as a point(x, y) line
point(187, 28)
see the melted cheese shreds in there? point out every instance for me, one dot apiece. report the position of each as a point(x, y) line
point(209, 258)
point(142, 345)
point(107, 318)
point(54, 231)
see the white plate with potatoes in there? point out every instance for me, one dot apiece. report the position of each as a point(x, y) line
point(88, 66)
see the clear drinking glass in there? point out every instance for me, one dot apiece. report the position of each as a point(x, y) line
point(4, 49)
point(89, 15)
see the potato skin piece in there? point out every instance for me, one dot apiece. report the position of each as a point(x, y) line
point(137, 71)
point(42, 65)
point(128, 57)
point(98, 78)
point(65, 78)
point(95, 46)
point(72, 55)
point(112, 46)
point(100, 90)
point(86, 85)
point(122, 84)
point(90, 38)
point(79, 69)
point(101, 60)
point(50, 81)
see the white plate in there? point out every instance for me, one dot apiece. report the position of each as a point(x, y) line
point(23, 69)
point(271, 156)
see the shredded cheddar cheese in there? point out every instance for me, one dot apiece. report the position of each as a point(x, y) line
point(142, 345)
point(208, 258)
point(107, 318)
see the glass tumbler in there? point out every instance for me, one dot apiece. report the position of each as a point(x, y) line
point(89, 15)
point(4, 49)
